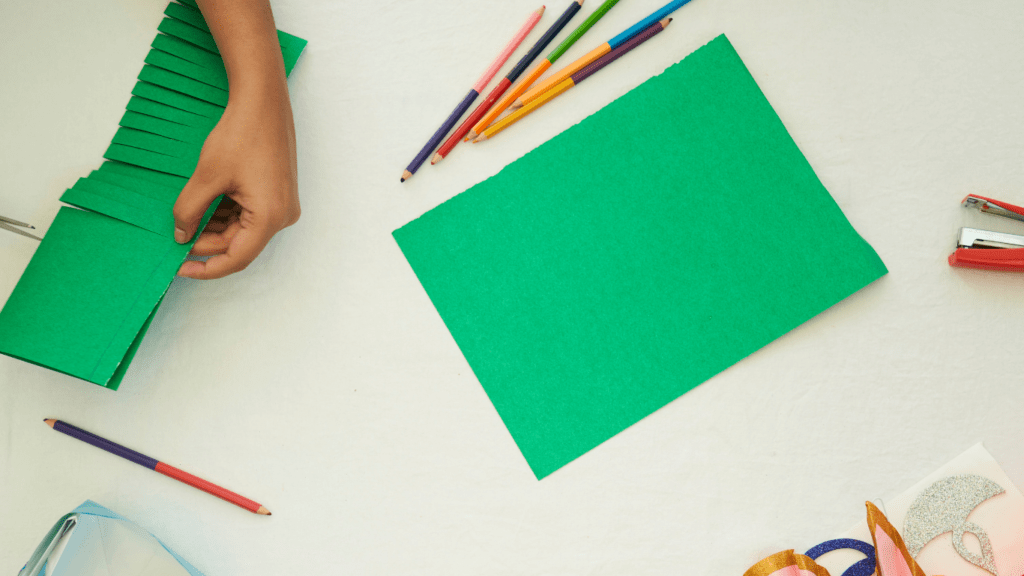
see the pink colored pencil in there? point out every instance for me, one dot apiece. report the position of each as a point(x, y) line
point(482, 83)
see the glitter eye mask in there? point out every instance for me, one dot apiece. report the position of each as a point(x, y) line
point(944, 507)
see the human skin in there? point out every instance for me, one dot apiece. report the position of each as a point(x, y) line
point(249, 155)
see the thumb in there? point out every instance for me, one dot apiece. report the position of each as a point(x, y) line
point(192, 203)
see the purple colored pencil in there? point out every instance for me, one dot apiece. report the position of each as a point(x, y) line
point(104, 444)
point(614, 55)
point(435, 140)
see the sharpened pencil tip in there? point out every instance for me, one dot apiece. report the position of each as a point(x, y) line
point(664, 23)
point(437, 158)
point(50, 421)
point(406, 175)
point(263, 511)
point(517, 104)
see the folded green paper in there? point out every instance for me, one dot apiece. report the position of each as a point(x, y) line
point(93, 286)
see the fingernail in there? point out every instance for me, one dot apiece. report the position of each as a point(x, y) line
point(179, 236)
point(189, 269)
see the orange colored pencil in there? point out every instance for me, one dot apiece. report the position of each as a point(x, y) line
point(573, 80)
point(598, 52)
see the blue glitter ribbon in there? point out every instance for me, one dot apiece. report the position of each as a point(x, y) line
point(865, 567)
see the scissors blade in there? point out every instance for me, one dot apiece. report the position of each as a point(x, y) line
point(15, 222)
point(5, 226)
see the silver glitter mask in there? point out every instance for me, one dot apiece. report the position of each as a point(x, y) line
point(944, 507)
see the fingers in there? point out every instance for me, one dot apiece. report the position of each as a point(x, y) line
point(215, 241)
point(226, 213)
point(244, 246)
point(192, 203)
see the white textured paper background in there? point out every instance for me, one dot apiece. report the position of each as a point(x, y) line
point(322, 382)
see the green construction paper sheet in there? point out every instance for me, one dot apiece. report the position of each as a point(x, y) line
point(635, 256)
point(92, 289)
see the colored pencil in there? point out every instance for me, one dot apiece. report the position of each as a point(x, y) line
point(482, 83)
point(507, 81)
point(540, 69)
point(598, 52)
point(575, 79)
point(154, 464)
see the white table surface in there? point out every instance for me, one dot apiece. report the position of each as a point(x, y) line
point(323, 383)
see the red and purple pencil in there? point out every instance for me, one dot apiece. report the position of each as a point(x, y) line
point(507, 81)
point(479, 87)
point(154, 464)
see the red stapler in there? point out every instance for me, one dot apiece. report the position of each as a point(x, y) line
point(989, 250)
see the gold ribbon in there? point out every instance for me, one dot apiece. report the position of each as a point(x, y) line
point(786, 559)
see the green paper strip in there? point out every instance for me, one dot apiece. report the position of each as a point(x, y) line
point(188, 33)
point(164, 194)
point(183, 84)
point(177, 100)
point(140, 198)
point(156, 143)
point(291, 46)
point(136, 210)
point(178, 132)
point(196, 72)
point(159, 178)
point(140, 105)
point(188, 51)
point(634, 256)
point(188, 15)
point(152, 160)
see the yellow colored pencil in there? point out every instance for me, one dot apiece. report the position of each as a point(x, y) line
point(560, 76)
point(524, 111)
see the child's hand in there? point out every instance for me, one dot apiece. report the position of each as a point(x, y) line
point(249, 155)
